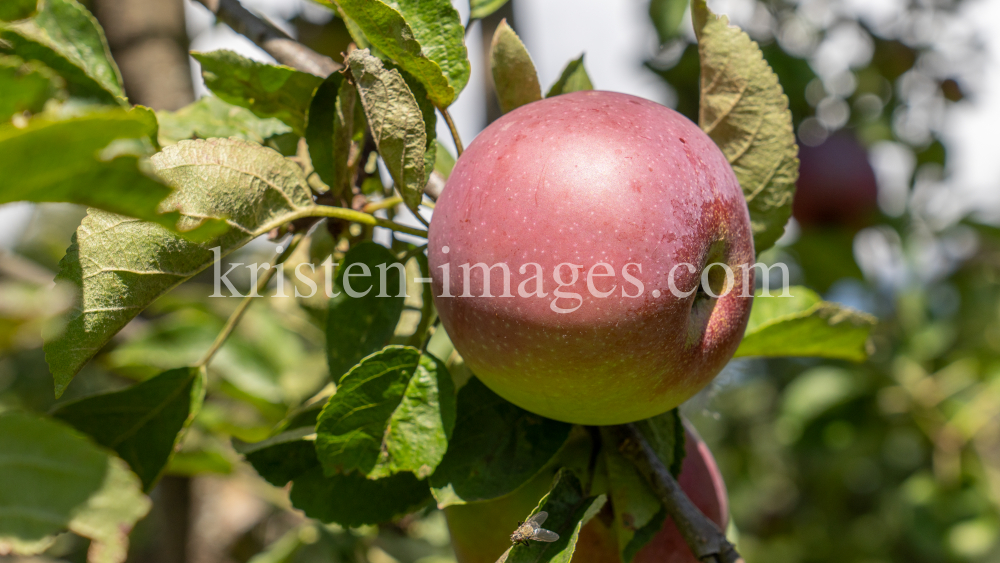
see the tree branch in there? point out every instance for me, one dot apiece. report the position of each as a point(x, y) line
point(707, 542)
point(272, 40)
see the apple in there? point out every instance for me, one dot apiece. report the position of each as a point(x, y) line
point(480, 532)
point(568, 253)
point(836, 184)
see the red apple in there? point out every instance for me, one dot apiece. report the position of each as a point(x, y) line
point(836, 184)
point(480, 532)
point(593, 202)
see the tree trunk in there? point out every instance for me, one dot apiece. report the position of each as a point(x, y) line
point(149, 42)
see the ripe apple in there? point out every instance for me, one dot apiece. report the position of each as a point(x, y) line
point(480, 532)
point(595, 215)
point(836, 184)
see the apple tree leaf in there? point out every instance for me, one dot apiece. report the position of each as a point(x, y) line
point(55, 479)
point(638, 513)
point(496, 447)
point(17, 9)
point(120, 265)
point(283, 457)
point(569, 509)
point(573, 79)
point(745, 111)
point(330, 132)
point(479, 9)
point(25, 86)
point(59, 161)
point(396, 122)
point(353, 500)
point(67, 38)
point(210, 117)
point(265, 89)
point(806, 326)
point(514, 74)
point(142, 423)
point(424, 37)
point(359, 325)
point(667, 16)
point(393, 412)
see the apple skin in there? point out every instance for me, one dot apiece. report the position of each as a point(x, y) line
point(836, 186)
point(480, 531)
point(586, 178)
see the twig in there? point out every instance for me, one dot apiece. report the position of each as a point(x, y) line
point(358, 217)
point(459, 148)
point(374, 206)
point(272, 40)
point(707, 542)
point(235, 317)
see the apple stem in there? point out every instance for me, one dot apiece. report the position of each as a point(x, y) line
point(707, 542)
point(459, 148)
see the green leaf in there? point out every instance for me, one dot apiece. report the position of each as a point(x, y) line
point(667, 16)
point(210, 117)
point(804, 325)
point(744, 110)
point(55, 479)
point(638, 513)
point(59, 161)
point(143, 423)
point(479, 9)
point(11, 10)
point(358, 325)
point(444, 162)
point(121, 265)
point(573, 79)
point(393, 412)
point(396, 123)
point(198, 462)
point(569, 509)
point(284, 457)
point(267, 90)
point(66, 37)
point(424, 37)
point(25, 86)
point(330, 132)
point(496, 448)
point(514, 74)
point(352, 500)
point(429, 115)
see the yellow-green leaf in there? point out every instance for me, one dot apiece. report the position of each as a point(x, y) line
point(745, 111)
point(514, 74)
point(573, 79)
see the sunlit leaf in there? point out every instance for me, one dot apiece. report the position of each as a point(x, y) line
point(805, 325)
point(514, 74)
point(54, 479)
point(479, 9)
point(496, 447)
point(142, 423)
point(424, 37)
point(744, 110)
point(393, 412)
point(121, 265)
point(396, 123)
point(67, 38)
point(59, 161)
point(573, 79)
point(265, 89)
point(210, 117)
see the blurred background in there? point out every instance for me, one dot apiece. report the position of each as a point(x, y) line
point(896, 104)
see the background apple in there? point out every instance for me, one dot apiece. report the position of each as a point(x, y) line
point(480, 532)
point(836, 185)
point(582, 179)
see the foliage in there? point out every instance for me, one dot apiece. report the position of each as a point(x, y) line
point(360, 407)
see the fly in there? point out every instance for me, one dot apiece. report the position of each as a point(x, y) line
point(533, 530)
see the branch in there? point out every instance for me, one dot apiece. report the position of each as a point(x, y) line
point(707, 542)
point(272, 40)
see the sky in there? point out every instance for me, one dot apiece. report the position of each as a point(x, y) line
point(616, 37)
